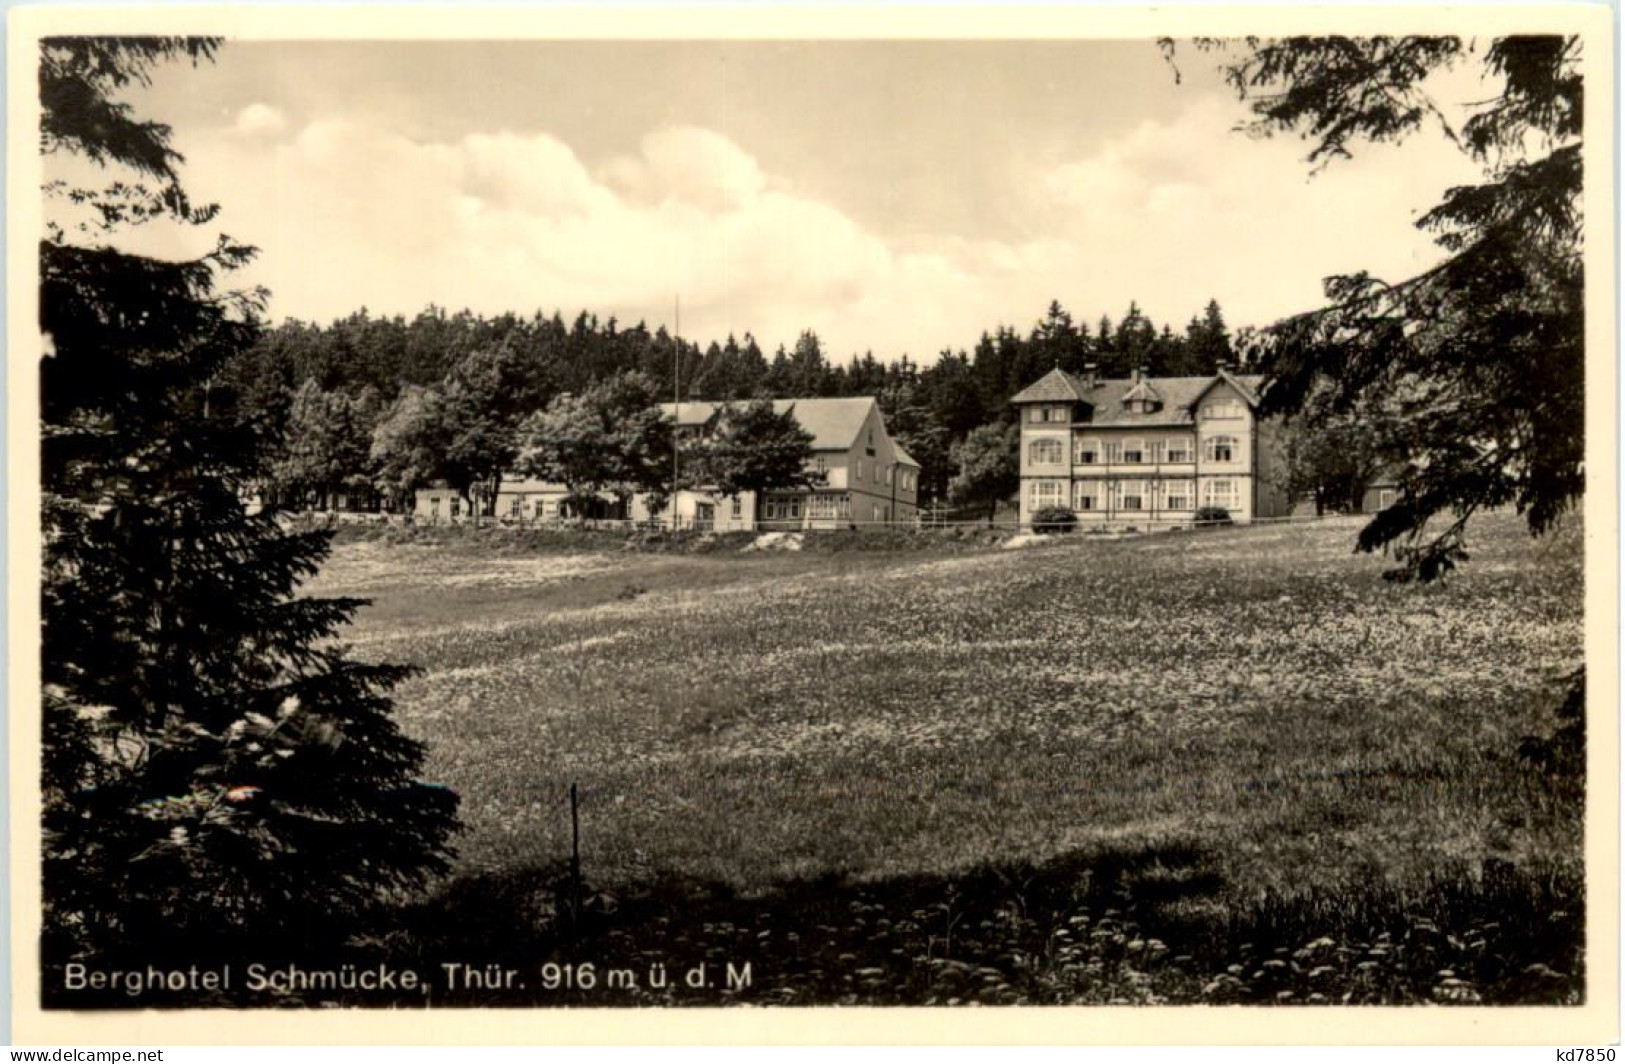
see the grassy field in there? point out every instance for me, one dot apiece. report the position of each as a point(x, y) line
point(1252, 711)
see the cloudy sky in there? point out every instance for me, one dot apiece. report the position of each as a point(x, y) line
point(894, 196)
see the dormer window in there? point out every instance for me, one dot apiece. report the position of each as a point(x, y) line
point(1142, 399)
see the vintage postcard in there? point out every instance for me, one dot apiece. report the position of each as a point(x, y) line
point(813, 524)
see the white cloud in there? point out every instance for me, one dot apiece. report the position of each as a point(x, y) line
point(1181, 210)
point(1173, 213)
point(699, 167)
point(260, 120)
point(347, 215)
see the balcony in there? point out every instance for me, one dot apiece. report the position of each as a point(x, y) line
point(1185, 463)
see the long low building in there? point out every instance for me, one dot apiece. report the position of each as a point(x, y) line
point(1148, 452)
point(858, 475)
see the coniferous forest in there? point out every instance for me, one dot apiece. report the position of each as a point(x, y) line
point(332, 398)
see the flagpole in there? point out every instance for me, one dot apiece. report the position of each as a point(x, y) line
point(677, 400)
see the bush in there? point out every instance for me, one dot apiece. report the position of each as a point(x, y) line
point(1213, 515)
point(1055, 519)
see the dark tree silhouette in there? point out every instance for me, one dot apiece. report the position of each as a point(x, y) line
point(1483, 356)
point(215, 766)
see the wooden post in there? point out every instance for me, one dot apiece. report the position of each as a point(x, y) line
point(575, 855)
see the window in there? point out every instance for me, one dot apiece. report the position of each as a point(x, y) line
point(1044, 452)
point(1178, 493)
point(738, 507)
point(1133, 495)
point(1114, 452)
point(1045, 493)
point(1154, 452)
point(1221, 410)
point(784, 509)
point(874, 512)
point(1221, 493)
point(1386, 497)
point(1056, 413)
point(869, 448)
point(1085, 496)
point(1087, 451)
point(822, 507)
point(517, 507)
point(1133, 452)
point(456, 507)
point(1179, 450)
point(1221, 448)
point(1036, 413)
point(434, 506)
point(820, 468)
point(891, 472)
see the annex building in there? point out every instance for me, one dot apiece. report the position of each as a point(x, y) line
point(858, 475)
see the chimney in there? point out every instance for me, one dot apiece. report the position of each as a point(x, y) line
point(1090, 371)
point(1141, 373)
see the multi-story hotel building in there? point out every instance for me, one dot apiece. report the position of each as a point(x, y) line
point(1146, 451)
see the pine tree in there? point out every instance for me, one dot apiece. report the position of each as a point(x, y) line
point(1484, 353)
point(1134, 340)
point(1208, 339)
point(214, 765)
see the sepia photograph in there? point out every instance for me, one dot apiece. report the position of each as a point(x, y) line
point(592, 517)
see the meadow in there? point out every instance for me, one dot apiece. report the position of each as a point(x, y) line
point(1209, 733)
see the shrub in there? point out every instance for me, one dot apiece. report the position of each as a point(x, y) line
point(1055, 519)
point(1213, 515)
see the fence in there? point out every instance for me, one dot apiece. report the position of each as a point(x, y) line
point(924, 523)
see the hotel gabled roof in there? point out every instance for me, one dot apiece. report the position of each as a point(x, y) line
point(1104, 401)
